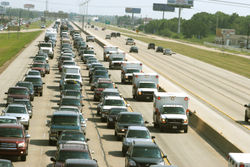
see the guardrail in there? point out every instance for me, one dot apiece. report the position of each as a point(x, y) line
point(215, 138)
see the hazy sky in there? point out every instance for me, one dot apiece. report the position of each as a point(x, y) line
point(117, 7)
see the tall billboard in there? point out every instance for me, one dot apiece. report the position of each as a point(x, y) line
point(181, 3)
point(29, 6)
point(163, 7)
point(133, 10)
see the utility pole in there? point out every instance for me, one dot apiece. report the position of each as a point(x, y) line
point(47, 8)
point(179, 22)
point(248, 35)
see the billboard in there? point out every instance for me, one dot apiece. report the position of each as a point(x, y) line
point(181, 3)
point(2, 10)
point(220, 32)
point(133, 10)
point(163, 7)
point(29, 6)
point(4, 3)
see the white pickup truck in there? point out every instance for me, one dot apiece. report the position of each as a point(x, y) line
point(108, 49)
point(145, 85)
point(171, 111)
point(116, 59)
point(47, 47)
point(128, 68)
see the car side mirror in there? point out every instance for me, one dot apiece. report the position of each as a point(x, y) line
point(6, 93)
point(87, 139)
point(43, 83)
point(244, 105)
point(53, 159)
point(152, 137)
point(164, 156)
point(27, 136)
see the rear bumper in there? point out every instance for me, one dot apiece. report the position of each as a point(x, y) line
point(12, 152)
point(174, 126)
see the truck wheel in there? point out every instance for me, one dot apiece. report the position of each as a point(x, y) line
point(246, 118)
point(41, 93)
point(27, 127)
point(123, 81)
point(23, 157)
point(186, 129)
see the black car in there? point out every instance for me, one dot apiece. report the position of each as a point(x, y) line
point(126, 119)
point(112, 115)
point(28, 85)
point(133, 49)
point(113, 34)
point(37, 82)
point(159, 49)
point(144, 153)
point(151, 46)
point(118, 34)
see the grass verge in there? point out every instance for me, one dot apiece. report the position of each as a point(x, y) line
point(36, 25)
point(236, 64)
point(12, 43)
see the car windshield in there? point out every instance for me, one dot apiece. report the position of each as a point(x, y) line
point(63, 155)
point(11, 132)
point(16, 109)
point(69, 109)
point(147, 85)
point(45, 45)
point(34, 80)
point(72, 86)
point(72, 137)
point(173, 110)
point(72, 77)
point(132, 70)
point(113, 102)
point(89, 52)
point(111, 94)
point(27, 103)
point(117, 59)
point(39, 58)
point(129, 118)
point(22, 84)
point(38, 65)
point(116, 111)
point(18, 91)
point(70, 102)
point(33, 73)
point(105, 85)
point(138, 134)
point(146, 152)
point(65, 120)
point(7, 121)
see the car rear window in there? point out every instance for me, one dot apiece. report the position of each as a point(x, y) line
point(11, 132)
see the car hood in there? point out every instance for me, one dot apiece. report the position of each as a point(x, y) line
point(147, 160)
point(46, 48)
point(174, 116)
point(17, 115)
point(10, 139)
point(65, 127)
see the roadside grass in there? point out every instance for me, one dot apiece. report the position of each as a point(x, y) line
point(36, 25)
point(236, 64)
point(10, 46)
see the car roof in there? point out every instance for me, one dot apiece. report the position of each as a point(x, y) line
point(113, 98)
point(33, 76)
point(144, 143)
point(5, 160)
point(81, 162)
point(25, 82)
point(65, 113)
point(110, 90)
point(137, 128)
point(11, 126)
point(18, 87)
point(70, 97)
point(74, 146)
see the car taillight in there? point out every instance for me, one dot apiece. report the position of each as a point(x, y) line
point(242, 165)
point(186, 98)
point(136, 76)
point(159, 98)
point(187, 111)
point(157, 76)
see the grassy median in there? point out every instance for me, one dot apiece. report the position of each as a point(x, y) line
point(229, 62)
point(11, 44)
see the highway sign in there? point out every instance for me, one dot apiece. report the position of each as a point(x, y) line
point(133, 10)
point(5, 3)
point(181, 3)
point(29, 6)
point(163, 7)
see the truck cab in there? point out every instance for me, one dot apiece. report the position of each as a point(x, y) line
point(239, 160)
point(145, 85)
point(171, 111)
point(128, 68)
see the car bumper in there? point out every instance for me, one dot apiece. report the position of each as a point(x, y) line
point(174, 126)
point(13, 151)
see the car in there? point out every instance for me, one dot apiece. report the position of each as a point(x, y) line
point(71, 76)
point(247, 112)
point(108, 36)
point(71, 101)
point(112, 116)
point(159, 49)
point(90, 38)
point(17, 93)
point(100, 86)
point(109, 92)
point(151, 46)
point(118, 34)
point(130, 41)
point(39, 67)
point(72, 93)
point(8, 120)
point(71, 85)
point(96, 66)
point(126, 119)
point(20, 112)
point(96, 75)
point(162, 166)
point(108, 103)
point(70, 151)
point(43, 26)
point(135, 133)
point(28, 85)
point(62, 120)
point(5, 162)
point(103, 28)
point(37, 82)
point(47, 47)
point(71, 135)
point(168, 52)
point(33, 72)
point(144, 153)
point(27, 103)
point(81, 163)
point(133, 49)
point(14, 141)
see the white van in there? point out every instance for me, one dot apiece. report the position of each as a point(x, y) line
point(239, 160)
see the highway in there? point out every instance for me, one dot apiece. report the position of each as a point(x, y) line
point(183, 150)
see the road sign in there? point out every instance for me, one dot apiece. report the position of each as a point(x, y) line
point(2, 10)
point(163, 7)
point(181, 3)
point(29, 6)
point(133, 10)
point(5, 3)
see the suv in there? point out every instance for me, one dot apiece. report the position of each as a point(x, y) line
point(247, 112)
point(151, 46)
point(14, 140)
point(130, 41)
point(109, 92)
point(62, 120)
point(144, 153)
point(37, 82)
point(90, 38)
point(27, 103)
point(17, 93)
point(126, 119)
point(28, 85)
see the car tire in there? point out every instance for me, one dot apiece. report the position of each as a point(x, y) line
point(23, 157)
point(155, 125)
point(108, 125)
point(41, 93)
point(186, 129)
point(51, 142)
point(27, 127)
point(246, 118)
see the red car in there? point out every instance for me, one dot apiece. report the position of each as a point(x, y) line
point(13, 140)
point(41, 67)
point(100, 86)
point(17, 93)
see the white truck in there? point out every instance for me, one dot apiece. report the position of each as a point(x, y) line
point(171, 111)
point(128, 68)
point(239, 160)
point(47, 47)
point(116, 59)
point(108, 49)
point(145, 85)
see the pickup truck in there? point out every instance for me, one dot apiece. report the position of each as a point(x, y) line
point(115, 60)
point(128, 68)
point(47, 47)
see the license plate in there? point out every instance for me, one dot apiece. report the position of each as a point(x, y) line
point(147, 97)
point(174, 127)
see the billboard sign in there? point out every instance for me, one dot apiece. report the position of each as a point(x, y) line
point(181, 3)
point(133, 10)
point(163, 7)
point(29, 6)
point(4, 3)
point(2, 10)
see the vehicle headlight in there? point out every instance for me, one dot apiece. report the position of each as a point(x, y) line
point(139, 93)
point(161, 163)
point(132, 163)
point(20, 145)
point(163, 120)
